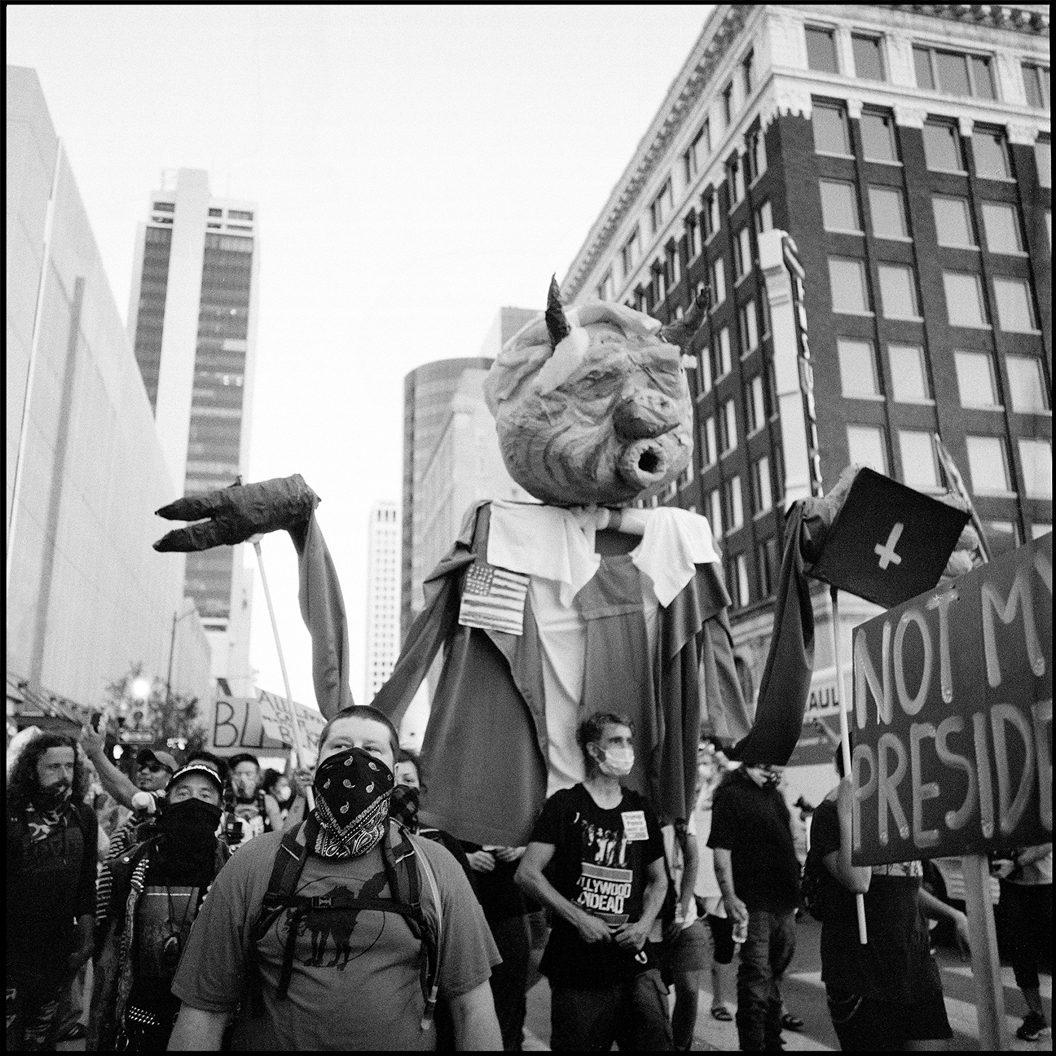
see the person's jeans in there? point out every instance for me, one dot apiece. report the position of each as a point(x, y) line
point(765, 954)
point(631, 1013)
point(509, 980)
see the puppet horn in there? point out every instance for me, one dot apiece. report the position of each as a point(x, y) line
point(682, 332)
point(556, 323)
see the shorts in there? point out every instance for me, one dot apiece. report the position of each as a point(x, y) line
point(688, 951)
point(867, 1024)
point(722, 937)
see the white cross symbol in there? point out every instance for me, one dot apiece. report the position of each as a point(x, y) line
point(886, 553)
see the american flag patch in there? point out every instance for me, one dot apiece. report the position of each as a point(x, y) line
point(493, 599)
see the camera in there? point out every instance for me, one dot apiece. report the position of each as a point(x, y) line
point(233, 830)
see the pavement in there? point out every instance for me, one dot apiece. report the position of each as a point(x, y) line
point(804, 996)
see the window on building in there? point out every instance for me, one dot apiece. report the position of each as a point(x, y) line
point(718, 282)
point(164, 207)
point(868, 57)
point(898, 291)
point(1001, 222)
point(964, 299)
point(829, 121)
point(1036, 81)
point(909, 377)
point(919, 468)
point(990, 153)
point(711, 215)
point(878, 136)
point(756, 155)
point(766, 559)
point(1015, 307)
point(212, 212)
point(1040, 528)
point(693, 157)
point(887, 212)
point(239, 214)
point(857, 367)
point(1043, 160)
point(711, 452)
point(764, 218)
point(954, 72)
point(748, 328)
point(742, 253)
point(987, 465)
point(673, 261)
point(821, 49)
point(727, 427)
point(1026, 386)
point(732, 510)
point(764, 305)
point(747, 73)
point(865, 444)
point(661, 207)
point(847, 280)
point(721, 354)
point(629, 254)
point(762, 491)
point(659, 282)
point(839, 206)
point(715, 512)
point(753, 403)
point(735, 179)
point(605, 288)
point(942, 146)
point(740, 580)
point(953, 222)
point(727, 105)
point(975, 379)
point(693, 240)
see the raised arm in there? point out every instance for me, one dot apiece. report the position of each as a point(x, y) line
point(110, 777)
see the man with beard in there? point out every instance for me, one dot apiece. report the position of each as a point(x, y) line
point(51, 851)
point(155, 891)
point(318, 936)
point(255, 810)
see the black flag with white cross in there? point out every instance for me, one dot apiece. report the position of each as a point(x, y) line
point(888, 543)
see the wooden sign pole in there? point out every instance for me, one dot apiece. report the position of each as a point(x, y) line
point(986, 966)
point(845, 734)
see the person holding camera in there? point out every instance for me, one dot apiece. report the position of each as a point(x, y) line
point(154, 891)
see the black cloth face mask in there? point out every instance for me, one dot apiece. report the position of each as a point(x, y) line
point(403, 806)
point(352, 790)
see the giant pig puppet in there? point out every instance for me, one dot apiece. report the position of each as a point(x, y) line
point(548, 611)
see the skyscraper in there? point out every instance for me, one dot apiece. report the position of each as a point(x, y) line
point(864, 190)
point(192, 320)
point(383, 596)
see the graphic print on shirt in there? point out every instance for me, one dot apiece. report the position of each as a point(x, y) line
point(605, 882)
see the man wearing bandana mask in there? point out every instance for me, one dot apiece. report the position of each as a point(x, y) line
point(155, 890)
point(758, 873)
point(51, 855)
point(354, 977)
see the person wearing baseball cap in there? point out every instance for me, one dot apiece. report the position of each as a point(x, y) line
point(155, 890)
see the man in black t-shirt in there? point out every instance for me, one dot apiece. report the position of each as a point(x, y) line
point(605, 881)
point(758, 874)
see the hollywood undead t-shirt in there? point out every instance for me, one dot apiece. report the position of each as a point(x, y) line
point(600, 864)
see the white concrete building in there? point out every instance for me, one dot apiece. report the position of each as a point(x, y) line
point(383, 596)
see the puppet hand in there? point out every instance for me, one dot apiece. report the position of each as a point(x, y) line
point(231, 515)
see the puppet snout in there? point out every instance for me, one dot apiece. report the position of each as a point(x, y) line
point(644, 415)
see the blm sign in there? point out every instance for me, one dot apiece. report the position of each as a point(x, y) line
point(952, 725)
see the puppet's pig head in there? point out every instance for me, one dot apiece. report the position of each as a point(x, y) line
point(592, 405)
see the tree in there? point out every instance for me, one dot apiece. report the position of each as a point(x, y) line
point(140, 703)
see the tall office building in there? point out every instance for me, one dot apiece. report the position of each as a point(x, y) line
point(192, 320)
point(86, 594)
point(383, 596)
point(865, 191)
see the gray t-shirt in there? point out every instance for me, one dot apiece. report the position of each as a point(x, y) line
point(356, 988)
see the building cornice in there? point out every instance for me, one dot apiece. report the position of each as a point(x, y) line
point(709, 53)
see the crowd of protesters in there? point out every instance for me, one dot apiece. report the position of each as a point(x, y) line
point(336, 919)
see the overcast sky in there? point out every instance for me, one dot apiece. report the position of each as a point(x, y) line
point(415, 168)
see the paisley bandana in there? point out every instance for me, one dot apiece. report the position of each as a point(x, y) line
point(352, 790)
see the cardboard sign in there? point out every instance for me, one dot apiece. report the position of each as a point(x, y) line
point(246, 724)
point(952, 724)
point(816, 746)
point(888, 542)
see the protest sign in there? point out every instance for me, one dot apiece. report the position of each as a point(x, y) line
point(291, 723)
point(953, 716)
point(249, 724)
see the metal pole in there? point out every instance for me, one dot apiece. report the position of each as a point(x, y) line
point(845, 734)
point(172, 649)
point(296, 749)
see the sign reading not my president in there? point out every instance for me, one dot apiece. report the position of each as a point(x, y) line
point(952, 725)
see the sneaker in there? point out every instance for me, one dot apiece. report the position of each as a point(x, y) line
point(1033, 1028)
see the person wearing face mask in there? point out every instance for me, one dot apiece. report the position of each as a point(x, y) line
point(316, 938)
point(605, 880)
point(758, 874)
point(256, 811)
point(51, 857)
point(154, 891)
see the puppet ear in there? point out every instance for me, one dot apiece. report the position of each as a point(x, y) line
point(556, 322)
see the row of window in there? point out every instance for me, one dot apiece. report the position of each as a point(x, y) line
point(959, 73)
point(976, 380)
point(943, 149)
point(988, 466)
point(965, 303)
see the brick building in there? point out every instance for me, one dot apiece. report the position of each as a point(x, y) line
point(875, 178)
